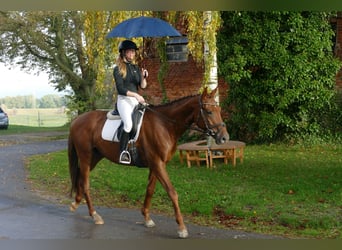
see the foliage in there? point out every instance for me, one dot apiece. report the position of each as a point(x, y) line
point(290, 191)
point(281, 73)
point(202, 26)
point(164, 66)
point(51, 42)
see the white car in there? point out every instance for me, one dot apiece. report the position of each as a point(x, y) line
point(3, 119)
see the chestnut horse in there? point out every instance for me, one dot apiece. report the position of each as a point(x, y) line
point(161, 128)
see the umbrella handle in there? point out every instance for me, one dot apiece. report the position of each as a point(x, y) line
point(145, 73)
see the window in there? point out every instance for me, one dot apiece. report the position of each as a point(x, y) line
point(176, 49)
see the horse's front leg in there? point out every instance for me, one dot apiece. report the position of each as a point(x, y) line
point(152, 180)
point(164, 179)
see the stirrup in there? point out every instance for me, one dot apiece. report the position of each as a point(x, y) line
point(122, 156)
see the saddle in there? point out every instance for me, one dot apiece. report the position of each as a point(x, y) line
point(113, 126)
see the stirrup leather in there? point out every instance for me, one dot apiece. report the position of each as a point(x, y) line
point(125, 161)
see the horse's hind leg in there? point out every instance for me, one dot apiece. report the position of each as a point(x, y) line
point(83, 188)
point(152, 180)
point(86, 187)
point(79, 193)
point(74, 205)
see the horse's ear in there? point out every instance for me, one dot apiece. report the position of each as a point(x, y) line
point(207, 92)
point(213, 92)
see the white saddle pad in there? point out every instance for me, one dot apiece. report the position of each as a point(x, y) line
point(110, 128)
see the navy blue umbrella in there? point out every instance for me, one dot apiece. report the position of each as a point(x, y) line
point(143, 27)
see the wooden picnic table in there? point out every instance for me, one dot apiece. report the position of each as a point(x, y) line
point(200, 151)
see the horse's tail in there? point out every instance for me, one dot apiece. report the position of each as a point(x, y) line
point(73, 166)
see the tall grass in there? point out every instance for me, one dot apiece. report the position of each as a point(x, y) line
point(290, 191)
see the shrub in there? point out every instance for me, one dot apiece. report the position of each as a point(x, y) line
point(281, 73)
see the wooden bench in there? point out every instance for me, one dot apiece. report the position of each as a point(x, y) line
point(200, 151)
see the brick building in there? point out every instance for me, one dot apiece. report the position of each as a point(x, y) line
point(182, 79)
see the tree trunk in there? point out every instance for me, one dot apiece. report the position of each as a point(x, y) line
point(212, 64)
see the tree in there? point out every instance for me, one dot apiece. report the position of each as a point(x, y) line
point(55, 42)
point(202, 30)
point(51, 101)
point(27, 101)
point(281, 72)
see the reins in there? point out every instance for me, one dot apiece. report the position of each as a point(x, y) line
point(160, 114)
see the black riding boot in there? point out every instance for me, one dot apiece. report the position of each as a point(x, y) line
point(125, 157)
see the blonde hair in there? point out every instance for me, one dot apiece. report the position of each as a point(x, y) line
point(120, 62)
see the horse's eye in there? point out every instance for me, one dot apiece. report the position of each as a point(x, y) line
point(209, 112)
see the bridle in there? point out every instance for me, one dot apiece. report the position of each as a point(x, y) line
point(208, 128)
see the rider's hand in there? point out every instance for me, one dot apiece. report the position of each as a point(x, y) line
point(140, 99)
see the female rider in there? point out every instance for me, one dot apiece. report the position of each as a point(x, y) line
point(128, 78)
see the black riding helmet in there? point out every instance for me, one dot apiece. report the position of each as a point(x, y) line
point(127, 44)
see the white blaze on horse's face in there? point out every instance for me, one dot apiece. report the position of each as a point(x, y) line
point(215, 123)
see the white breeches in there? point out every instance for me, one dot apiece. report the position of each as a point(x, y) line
point(126, 105)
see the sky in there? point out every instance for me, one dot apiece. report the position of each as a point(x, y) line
point(15, 82)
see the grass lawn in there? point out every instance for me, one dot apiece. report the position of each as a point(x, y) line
point(53, 117)
point(281, 190)
point(21, 129)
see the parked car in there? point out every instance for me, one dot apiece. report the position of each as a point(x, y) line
point(3, 119)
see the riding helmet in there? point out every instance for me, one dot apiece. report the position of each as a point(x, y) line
point(127, 44)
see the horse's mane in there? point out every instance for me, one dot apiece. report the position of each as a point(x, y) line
point(172, 102)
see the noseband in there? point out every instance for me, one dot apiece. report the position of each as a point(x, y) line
point(209, 128)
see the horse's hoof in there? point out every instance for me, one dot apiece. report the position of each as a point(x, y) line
point(73, 207)
point(149, 223)
point(183, 234)
point(97, 219)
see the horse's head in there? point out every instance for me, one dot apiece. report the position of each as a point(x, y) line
point(210, 119)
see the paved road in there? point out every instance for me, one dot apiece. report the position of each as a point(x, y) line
point(26, 215)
